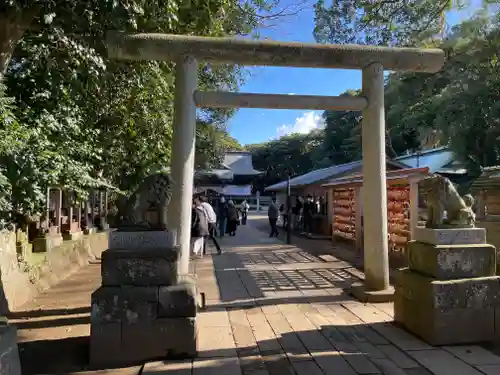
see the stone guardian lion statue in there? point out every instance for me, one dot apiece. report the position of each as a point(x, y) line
point(445, 207)
point(150, 199)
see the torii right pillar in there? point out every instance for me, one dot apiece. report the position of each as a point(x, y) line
point(376, 287)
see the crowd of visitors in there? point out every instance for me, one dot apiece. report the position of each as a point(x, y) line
point(208, 223)
point(301, 214)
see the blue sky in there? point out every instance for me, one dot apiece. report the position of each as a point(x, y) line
point(259, 125)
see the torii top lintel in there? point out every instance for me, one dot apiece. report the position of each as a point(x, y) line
point(271, 53)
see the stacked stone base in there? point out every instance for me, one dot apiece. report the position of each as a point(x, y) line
point(449, 293)
point(143, 311)
point(9, 353)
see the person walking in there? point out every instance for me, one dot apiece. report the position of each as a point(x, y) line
point(244, 212)
point(212, 220)
point(222, 216)
point(273, 214)
point(199, 229)
point(232, 218)
point(308, 210)
point(296, 213)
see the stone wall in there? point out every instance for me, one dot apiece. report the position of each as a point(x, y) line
point(23, 277)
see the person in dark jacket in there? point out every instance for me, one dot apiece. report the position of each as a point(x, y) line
point(222, 216)
point(308, 210)
point(273, 214)
point(232, 218)
point(296, 211)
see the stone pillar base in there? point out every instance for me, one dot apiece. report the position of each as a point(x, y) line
point(9, 353)
point(448, 295)
point(90, 230)
point(47, 243)
point(446, 312)
point(372, 296)
point(143, 311)
point(72, 236)
point(132, 325)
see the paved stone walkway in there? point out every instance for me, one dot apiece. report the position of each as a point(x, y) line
point(274, 309)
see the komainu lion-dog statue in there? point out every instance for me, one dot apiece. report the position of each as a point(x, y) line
point(445, 207)
point(150, 199)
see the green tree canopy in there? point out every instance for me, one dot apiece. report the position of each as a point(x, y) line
point(77, 117)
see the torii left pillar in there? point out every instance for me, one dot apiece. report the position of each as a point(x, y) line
point(183, 151)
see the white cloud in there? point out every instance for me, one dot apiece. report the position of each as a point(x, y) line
point(303, 124)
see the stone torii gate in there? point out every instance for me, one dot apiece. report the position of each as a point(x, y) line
point(187, 50)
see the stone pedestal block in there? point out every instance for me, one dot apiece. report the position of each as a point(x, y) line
point(451, 236)
point(46, 243)
point(144, 310)
point(151, 266)
point(9, 353)
point(162, 338)
point(153, 239)
point(71, 236)
point(127, 304)
point(123, 344)
point(177, 300)
point(105, 344)
point(437, 311)
point(446, 262)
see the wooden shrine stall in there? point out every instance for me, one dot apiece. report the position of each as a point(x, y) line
point(403, 208)
point(486, 191)
point(320, 224)
point(313, 184)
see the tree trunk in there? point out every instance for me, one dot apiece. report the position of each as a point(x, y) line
point(13, 25)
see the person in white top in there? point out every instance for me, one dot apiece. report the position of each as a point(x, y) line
point(244, 212)
point(212, 222)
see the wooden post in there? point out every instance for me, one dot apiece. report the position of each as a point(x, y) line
point(99, 197)
point(59, 202)
point(70, 215)
point(79, 214)
point(480, 205)
point(47, 220)
point(414, 210)
point(329, 208)
point(87, 212)
point(92, 207)
point(106, 203)
point(358, 208)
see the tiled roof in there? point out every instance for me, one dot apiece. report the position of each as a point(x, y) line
point(438, 160)
point(316, 176)
point(322, 175)
point(223, 174)
point(240, 163)
point(234, 163)
point(401, 174)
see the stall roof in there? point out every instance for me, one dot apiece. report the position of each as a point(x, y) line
point(438, 160)
point(393, 177)
point(322, 175)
